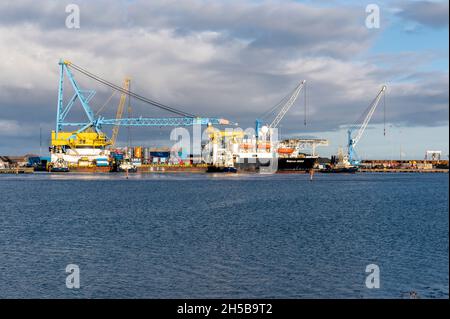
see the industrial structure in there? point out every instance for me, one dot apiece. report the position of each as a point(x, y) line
point(349, 162)
point(261, 150)
point(88, 144)
point(360, 126)
point(85, 147)
point(119, 114)
point(433, 155)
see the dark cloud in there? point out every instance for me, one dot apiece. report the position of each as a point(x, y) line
point(428, 13)
point(284, 25)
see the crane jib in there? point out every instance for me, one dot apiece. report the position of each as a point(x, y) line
point(95, 122)
point(352, 141)
point(285, 108)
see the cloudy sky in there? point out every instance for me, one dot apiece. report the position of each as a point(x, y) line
point(235, 59)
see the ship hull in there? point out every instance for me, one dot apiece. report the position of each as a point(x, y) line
point(288, 164)
point(296, 163)
point(59, 170)
point(253, 165)
point(341, 170)
point(220, 169)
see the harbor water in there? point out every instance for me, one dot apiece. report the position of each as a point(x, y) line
point(224, 236)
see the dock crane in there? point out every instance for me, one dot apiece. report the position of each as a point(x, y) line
point(293, 144)
point(120, 108)
point(284, 105)
point(95, 123)
point(360, 128)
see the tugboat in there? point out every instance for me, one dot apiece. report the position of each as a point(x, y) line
point(60, 166)
point(222, 163)
point(338, 169)
point(340, 164)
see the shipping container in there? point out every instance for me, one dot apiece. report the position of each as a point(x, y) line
point(137, 152)
point(160, 154)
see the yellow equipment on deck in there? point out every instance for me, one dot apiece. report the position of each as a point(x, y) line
point(80, 140)
point(216, 135)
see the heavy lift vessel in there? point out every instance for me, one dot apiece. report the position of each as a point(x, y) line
point(88, 143)
point(260, 151)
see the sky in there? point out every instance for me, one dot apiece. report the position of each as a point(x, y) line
point(235, 60)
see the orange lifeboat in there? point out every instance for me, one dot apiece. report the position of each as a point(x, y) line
point(262, 146)
point(285, 150)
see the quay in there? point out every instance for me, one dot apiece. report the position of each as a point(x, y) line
point(17, 170)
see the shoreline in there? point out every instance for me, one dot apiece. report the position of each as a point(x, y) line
point(199, 170)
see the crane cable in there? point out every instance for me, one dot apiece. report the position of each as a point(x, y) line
point(270, 112)
point(129, 93)
point(279, 105)
point(306, 108)
point(384, 113)
point(357, 124)
point(107, 101)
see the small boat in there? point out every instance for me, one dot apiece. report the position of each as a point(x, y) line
point(60, 166)
point(340, 164)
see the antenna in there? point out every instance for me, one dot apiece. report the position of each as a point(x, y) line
point(306, 109)
point(384, 113)
point(129, 115)
point(40, 140)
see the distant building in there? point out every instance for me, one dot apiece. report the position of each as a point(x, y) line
point(13, 161)
point(433, 155)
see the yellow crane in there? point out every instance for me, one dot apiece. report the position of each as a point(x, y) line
point(120, 108)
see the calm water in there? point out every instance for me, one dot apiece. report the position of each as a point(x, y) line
point(201, 236)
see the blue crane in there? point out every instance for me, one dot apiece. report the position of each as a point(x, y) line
point(284, 106)
point(360, 128)
point(96, 123)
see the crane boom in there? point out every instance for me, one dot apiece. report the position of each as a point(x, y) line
point(352, 141)
point(123, 97)
point(287, 105)
point(95, 123)
point(369, 116)
point(165, 121)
